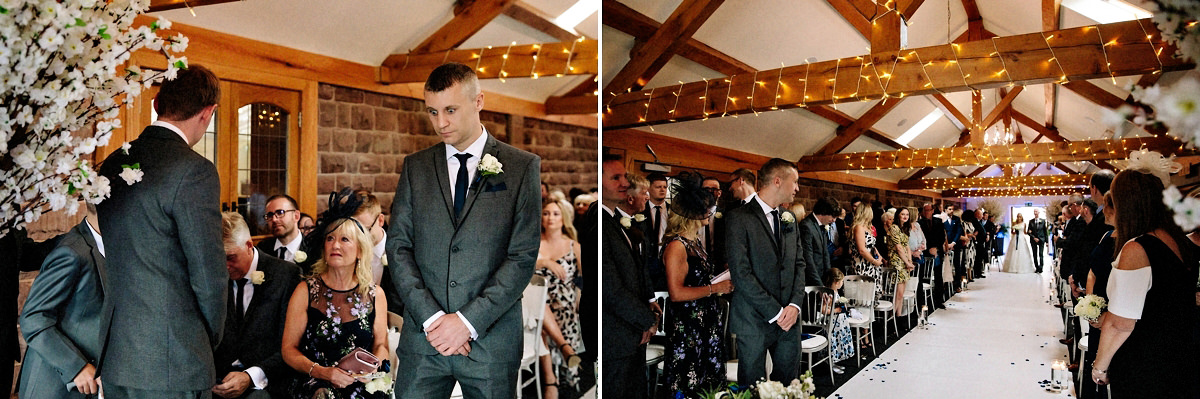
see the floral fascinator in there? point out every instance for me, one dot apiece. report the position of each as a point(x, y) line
point(1154, 163)
point(689, 199)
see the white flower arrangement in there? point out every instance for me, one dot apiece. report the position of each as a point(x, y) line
point(800, 388)
point(787, 217)
point(1090, 307)
point(626, 222)
point(301, 256)
point(257, 277)
point(131, 173)
point(378, 382)
point(61, 73)
point(489, 165)
point(639, 218)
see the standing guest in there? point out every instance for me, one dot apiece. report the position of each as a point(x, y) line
point(656, 207)
point(1147, 348)
point(864, 258)
point(878, 229)
point(640, 226)
point(762, 245)
point(916, 247)
point(854, 204)
point(370, 214)
point(935, 243)
point(742, 188)
point(842, 345)
point(173, 278)
point(283, 216)
point(983, 243)
point(837, 240)
point(1093, 230)
point(814, 238)
point(333, 312)
point(954, 248)
point(64, 315)
point(1100, 267)
point(461, 264)
point(1037, 240)
point(1070, 259)
point(629, 317)
point(558, 263)
point(708, 234)
point(900, 257)
point(248, 359)
point(967, 241)
point(306, 224)
point(695, 323)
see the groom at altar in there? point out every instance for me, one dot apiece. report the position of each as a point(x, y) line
point(462, 263)
point(762, 248)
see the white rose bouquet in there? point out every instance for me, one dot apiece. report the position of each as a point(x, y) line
point(1091, 307)
point(60, 75)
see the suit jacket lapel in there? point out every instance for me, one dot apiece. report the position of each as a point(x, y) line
point(477, 183)
point(259, 290)
point(762, 218)
point(443, 178)
point(97, 258)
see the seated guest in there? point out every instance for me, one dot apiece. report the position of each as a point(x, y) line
point(306, 224)
point(842, 347)
point(282, 216)
point(334, 311)
point(248, 361)
point(370, 215)
point(695, 324)
point(1147, 348)
point(558, 262)
point(814, 238)
point(64, 315)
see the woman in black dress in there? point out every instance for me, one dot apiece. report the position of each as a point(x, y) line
point(1147, 349)
point(694, 321)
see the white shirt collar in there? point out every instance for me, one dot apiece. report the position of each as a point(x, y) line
point(96, 236)
point(173, 128)
point(475, 149)
point(253, 266)
point(607, 211)
point(624, 214)
point(380, 246)
point(292, 247)
point(766, 209)
point(750, 197)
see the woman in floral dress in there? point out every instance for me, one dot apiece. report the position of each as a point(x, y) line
point(559, 264)
point(899, 256)
point(695, 323)
point(863, 258)
point(843, 339)
point(331, 313)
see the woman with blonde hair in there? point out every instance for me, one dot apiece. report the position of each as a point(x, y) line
point(334, 311)
point(863, 256)
point(558, 263)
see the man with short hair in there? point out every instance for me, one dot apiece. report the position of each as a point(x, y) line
point(462, 263)
point(166, 273)
point(935, 243)
point(282, 216)
point(762, 246)
point(743, 187)
point(633, 208)
point(248, 359)
point(656, 207)
point(814, 238)
point(370, 216)
point(1037, 239)
point(954, 244)
point(629, 318)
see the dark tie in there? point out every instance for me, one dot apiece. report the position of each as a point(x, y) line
point(775, 218)
point(460, 185)
point(708, 237)
point(237, 299)
point(281, 251)
point(657, 221)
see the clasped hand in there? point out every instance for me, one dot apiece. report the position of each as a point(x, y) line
point(449, 335)
point(233, 385)
point(788, 318)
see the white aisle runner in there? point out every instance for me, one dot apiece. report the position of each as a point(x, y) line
point(996, 340)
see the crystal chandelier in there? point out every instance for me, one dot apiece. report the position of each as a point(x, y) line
point(998, 136)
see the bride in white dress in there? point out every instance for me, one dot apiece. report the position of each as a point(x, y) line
point(1019, 257)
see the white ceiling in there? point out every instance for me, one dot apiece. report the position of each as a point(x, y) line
point(793, 31)
point(368, 31)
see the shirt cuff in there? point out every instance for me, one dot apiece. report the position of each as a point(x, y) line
point(258, 376)
point(474, 335)
point(425, 325)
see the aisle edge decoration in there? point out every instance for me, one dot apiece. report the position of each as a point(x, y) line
point(62, 73)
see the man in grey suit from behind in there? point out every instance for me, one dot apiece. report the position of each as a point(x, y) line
point(168, 274)
point(762, 247)
point(464, 236)
point(64, 316)
point(814, 238)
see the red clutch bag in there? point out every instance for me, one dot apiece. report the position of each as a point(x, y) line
point(358, 361)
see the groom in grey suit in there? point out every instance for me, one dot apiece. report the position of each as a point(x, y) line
point(762, 248)
point(167, 273)
point(464, 236)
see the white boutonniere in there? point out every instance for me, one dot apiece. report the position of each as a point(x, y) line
point(257, 277)
point(300, 256)
point(131, 173)
point(125, 147)
point(626, 222)
point(639, 218)
point(788, 217)
point(717, 215)
point(489, 165)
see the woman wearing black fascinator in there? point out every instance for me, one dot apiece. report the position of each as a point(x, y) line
point(694, 321)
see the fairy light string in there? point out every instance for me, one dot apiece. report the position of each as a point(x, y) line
point(1054, 57)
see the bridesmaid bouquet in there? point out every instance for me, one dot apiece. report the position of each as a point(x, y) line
point(1091, 307)
point(800, 388)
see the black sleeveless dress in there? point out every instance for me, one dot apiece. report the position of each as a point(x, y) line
point(1160, 357)
point(338, 322)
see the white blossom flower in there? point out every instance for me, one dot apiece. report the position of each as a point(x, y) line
point(787, 217)
point(300, 257)
point(131, 175)
point(125, 147)
point(639, 218)
point(257, 277)
point(489, 165)
point(626, 222)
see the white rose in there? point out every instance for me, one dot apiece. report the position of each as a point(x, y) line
point(300, 256)
point(625, 222)
point(257, 277)
point(489, 165)
point(788, 218)
point(639, 218)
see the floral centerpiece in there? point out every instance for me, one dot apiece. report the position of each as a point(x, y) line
point(800, 388)
point(62, 82)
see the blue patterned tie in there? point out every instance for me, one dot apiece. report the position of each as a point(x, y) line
point(460, 185)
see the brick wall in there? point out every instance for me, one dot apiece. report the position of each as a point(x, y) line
point(364, 137)
point(811, 189)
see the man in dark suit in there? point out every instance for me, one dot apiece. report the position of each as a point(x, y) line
point(983, 245)
point(461, 264)
point(763, 245)
point(708, 234)
point(167, 271)
point(1093, 231)
point(629, 318)
point(641, 228)
point(248, 359)
point(655, 225)
point(1037, 240)
point(64, 315)
point(814, 238)
point(935, 242)
point(282, 217)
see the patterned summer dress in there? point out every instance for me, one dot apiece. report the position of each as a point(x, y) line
point(694, 363)
point(897, 237)
point(864, 267)
point(561, 297)
point(338, 322)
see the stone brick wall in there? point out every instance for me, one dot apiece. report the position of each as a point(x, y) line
point(363, 138)
point(811, 189)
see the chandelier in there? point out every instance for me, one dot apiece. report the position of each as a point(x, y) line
point(999, 136)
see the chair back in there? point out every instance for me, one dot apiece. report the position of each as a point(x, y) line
point(533, 311)
point(818, 307)
point(887, 280)
point(860, 290)
point(661, 298)
point(925, 271)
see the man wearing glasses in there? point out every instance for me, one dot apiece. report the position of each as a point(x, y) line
point(282, 216)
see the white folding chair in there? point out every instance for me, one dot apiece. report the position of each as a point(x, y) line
point(533, 311)
point(657, 353)
point(926, 276)
point(887, 303)
point(818, 313)
point(860, 290)
point(395, 323)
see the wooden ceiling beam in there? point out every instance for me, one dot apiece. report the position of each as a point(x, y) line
point(963, 139)
point(534, 18)
point(663, 44)
point(995, 182)
point(641, 27)
point(846, 135)
point(825, 83)
point(955, 116)
point(576, 57)
point(843, 120)
point(568, 105)
point(1051, 14)
point(1004, 105)
point(853, 16)
point(589, 86)
point(977, 138)
point(1028, 192)
point(1092, 150)
point(163, 5)
point(1064, 168)
point(1095, 94)
point(908, 7)
point(1049, 132)
point(467, 21)
point(978, 171)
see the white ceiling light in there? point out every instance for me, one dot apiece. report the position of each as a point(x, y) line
point(1106, 11)
point(576, 14)
point(920, 126)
